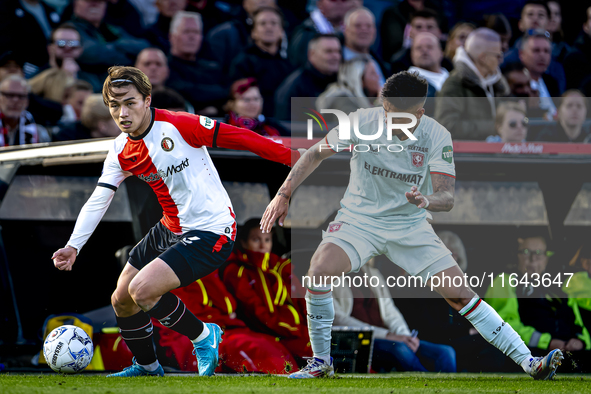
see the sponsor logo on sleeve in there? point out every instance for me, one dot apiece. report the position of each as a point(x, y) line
point(447, 154)
point(206, 122)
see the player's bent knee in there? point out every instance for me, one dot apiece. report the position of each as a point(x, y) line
point(122, 302)
point(142, 295)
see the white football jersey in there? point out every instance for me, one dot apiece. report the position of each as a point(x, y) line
point(380, 177)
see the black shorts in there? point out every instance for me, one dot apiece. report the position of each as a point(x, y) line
point(191, 256)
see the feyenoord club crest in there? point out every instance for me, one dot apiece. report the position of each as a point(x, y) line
point(417, 159)
point(167, 144)
point(334, 227)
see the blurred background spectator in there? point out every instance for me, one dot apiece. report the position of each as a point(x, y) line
point(454, 243)
point(158, 33)
point(324, 58)
point(579, 287)
point(75, 101)
point(357, 83)
point(17, 125)
point(578, 62)
point(457, 38)
point(327, 18)
point(510, 123)
point(55, 85)
point(10, 63)
point(572, 113)
point(153, 63)
point(360, 34)
point(244, 107)
point(426, 55)
point(263, 59)
point(95, 122)
point(168, 99)
point(64, 50)
point(198, 80)
point(396, 25)
point(500, 24)
point(476, 75)
point(25, 26)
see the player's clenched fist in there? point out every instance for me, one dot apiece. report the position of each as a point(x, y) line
point(64, 258)
point(276, 209)
point(416, 198)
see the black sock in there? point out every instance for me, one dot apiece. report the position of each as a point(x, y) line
point(172, 313)
point(137, 331)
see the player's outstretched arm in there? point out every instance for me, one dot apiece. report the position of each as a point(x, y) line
point(278, 207)
point(442, 199)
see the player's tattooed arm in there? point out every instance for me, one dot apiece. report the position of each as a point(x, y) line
point(442, 199)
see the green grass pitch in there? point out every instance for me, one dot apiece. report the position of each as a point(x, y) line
point(13, 383)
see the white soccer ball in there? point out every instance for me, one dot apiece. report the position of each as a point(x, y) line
point(68, 349)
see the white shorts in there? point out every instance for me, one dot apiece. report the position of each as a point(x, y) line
point(414, 248)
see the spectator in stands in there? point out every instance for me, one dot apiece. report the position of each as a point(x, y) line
point(17, 125)
point(25, 27)
point(166, 98)
point(263, 59)
point(80, 92)
point(421, 22)
point(324, 57)
point(153, 63)
point(578, 62)
point(519, 81)
point(212, 14)
point(360, 34)
point(357, 86)
point(64, 50)
point(395, 26)
point(158, 33)
point(535, 17)
point(535, 54)
point(500, 24)
point(455, 245)
point(540, 314)
point(199, 81)
point(510, 123)
point(395, 348)
point(10, 63)
point(230, 38)
point(242, 350)
point(426, 55)
point(579, 287)
point(245, 106)
point(476, 75)
point(103, 45)
point(95, 122)
point(54, 85)
point(457, 38)
point(327, 18)
point(256, 277)
point(571, 116)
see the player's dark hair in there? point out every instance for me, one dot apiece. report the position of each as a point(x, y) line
point(405, 90)
point(275, 10)
point(121, 76)
point(513, 66)
point(541, 3)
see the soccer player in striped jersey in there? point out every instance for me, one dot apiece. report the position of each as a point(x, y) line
point(384, 211)
point(196, 234)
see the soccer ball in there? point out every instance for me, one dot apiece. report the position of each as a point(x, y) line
point(68, 349)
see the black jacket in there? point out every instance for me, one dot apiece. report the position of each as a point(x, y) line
point(199, 82)
point(306, 81)
point(20, 32)
point(269, 70)
point(556, 133)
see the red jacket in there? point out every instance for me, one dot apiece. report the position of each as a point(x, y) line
point(270, 298)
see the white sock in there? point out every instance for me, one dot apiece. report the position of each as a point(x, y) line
point(320, 317)
point(526, 365)
point(204, 334)
point(151, 367)
point(497, 332)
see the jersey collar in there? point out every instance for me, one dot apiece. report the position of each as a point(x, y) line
point(145, 133)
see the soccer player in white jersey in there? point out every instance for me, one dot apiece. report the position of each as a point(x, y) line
point(196, 234)
point(384, 211)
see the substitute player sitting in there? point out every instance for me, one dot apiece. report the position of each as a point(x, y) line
point(198, 229)
point(384, 211)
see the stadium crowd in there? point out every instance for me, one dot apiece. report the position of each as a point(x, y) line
point(242, 61)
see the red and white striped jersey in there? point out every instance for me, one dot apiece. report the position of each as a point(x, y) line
point(171, 156)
